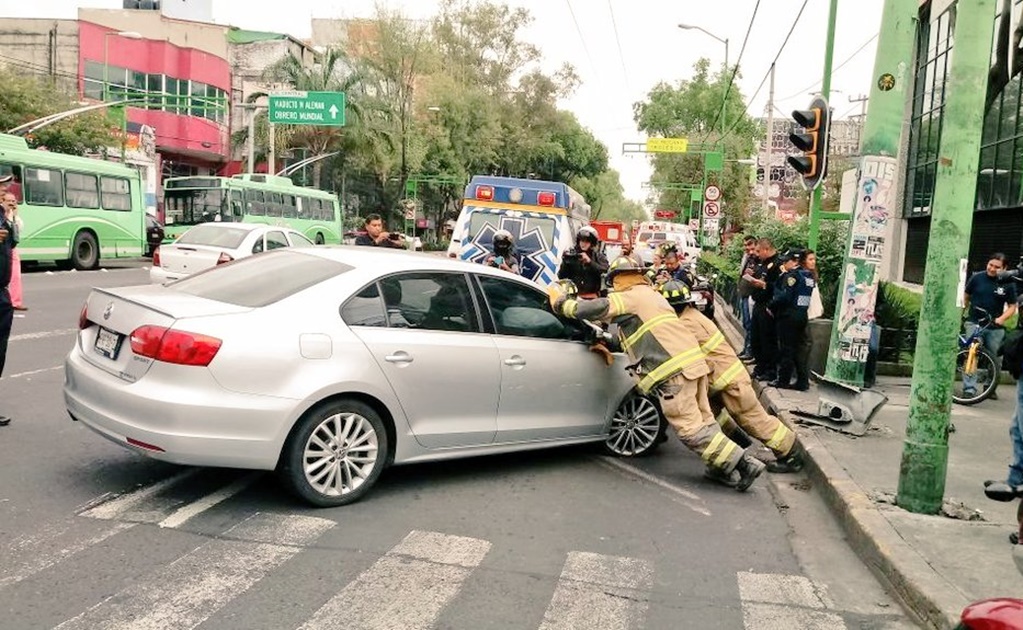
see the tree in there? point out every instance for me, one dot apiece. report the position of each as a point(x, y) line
point(26, 97)
point(692, 109)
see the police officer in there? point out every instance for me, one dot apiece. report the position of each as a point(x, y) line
point(732, 388)
point(585, 264)
point(668, 362)
point(764, 336)
point(789, 305)
point(504, 252)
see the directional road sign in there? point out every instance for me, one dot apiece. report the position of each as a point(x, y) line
point(308, 108)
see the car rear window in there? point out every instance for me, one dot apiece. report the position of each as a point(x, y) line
point(261, 280)
point(214, 235)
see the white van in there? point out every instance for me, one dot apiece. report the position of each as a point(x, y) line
point(651, 234)
point(543, 218)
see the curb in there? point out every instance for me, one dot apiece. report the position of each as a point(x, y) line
point(905, 573)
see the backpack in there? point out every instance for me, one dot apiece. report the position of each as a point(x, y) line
point(1012, 350)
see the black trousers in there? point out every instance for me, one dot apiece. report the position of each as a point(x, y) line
point(6, 320)
point(764, 340)
point(792, 350)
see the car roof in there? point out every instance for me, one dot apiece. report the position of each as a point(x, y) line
point(387, 260)
point(248, 227)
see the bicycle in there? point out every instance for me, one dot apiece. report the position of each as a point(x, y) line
point(975, 363)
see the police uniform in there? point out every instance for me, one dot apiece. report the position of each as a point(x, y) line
point(764, 336)
point(669, 363)
point(790, 304)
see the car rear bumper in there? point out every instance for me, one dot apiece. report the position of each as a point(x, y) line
point(159, 275)
point(195, 423)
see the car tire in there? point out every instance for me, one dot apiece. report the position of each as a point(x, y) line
point(637, 428)
point(335, 453)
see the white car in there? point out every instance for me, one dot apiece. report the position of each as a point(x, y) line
point(210, 244)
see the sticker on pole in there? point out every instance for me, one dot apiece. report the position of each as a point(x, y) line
point(711, 210)
point(713, 193)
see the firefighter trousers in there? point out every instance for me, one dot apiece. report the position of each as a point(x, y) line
point(740, 400)
point(686, 408)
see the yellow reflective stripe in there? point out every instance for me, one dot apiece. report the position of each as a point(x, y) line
point(617, 304)
point(647, 327)
point(779, 436)
point(713, 446)
point(712, 343)
point(570, 308)
point(726, 454)
point(667, 368)
point(728, 377)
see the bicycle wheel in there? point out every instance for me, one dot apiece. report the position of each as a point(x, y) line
point(984, 373)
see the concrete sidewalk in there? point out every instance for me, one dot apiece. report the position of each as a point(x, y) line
point(935, 564)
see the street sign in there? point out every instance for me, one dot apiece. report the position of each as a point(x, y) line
point(713, 193)
point(667, 145)
point(711, 210)
point(694, 224)
point(711, 226)
point(307, 108)
point(664, 214)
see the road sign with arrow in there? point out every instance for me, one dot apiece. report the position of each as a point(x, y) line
point(307, 108)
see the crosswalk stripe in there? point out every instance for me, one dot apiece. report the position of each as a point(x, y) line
point(27, 556)
point(114, 508)
point(407, 588)
point(777, 602)
point(190, 510)
point(597, 591)
point(192, 588)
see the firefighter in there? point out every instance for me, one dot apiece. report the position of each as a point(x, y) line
point(731, 387)
point(789, 305)
point(668, 361)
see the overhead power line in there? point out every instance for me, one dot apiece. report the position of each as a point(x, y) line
point(836, 69)
point(582, 39)
point(731, 79)
point(618, 40)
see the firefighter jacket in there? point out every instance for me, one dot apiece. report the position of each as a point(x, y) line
point(650, 331)
point(725, 366)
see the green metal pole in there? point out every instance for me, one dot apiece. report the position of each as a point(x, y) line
point(878, 174)
point(829, 54)
point(925, 449)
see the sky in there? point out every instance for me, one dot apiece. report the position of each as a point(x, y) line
point(622, 48)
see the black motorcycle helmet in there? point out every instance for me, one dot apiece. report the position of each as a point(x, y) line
point(587, 233)
point(503, 241)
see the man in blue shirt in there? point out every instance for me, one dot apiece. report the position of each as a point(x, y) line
point(986, 297)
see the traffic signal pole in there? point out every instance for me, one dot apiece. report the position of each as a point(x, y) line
point(829, 53)
point(925, 449)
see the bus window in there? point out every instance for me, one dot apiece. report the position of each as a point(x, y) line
point(236, 206)
point(191, 207)
point(82, 190)
point(329, 210)
point(254, 203)
point(116, 193)
point(315, 209)
point(288, 209)
point(273, 204)
point(44, 187)
point(13, 186)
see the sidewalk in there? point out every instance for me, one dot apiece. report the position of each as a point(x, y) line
point(935, 564)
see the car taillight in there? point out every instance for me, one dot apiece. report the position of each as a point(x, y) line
point(156, 257)
point(83, 317)
point(174, 346)
point(224, 258)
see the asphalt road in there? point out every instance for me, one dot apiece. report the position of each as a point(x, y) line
point(94, 536)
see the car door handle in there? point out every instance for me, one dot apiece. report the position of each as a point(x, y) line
point(399, 357)
point(515, 361)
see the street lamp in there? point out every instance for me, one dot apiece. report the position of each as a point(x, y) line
point(106, 77)
point(691, 27)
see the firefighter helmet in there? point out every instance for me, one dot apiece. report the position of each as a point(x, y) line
point(677, 293)
point(622, 264)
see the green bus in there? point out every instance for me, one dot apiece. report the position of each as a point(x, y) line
point(250, 198)
point(74, 210)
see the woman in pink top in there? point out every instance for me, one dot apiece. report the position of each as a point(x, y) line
point(10, 203)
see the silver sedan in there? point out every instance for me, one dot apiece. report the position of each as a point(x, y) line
point(329, 364)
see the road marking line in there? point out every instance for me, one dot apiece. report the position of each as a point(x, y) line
point(43, 335)
point(406, 588)
point(36, 560)
point(122, 504)
point(778, 602)
point(620, 466)
point(34, 372)
point(597, 591)
point(191, 589)
point(195, 508)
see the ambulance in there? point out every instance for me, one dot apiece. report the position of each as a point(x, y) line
point(543, 218)
point(651, 234)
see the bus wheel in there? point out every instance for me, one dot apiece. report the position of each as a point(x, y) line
point(85, 253)
point(319, 239)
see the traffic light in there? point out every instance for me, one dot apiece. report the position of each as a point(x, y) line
point(812, 142)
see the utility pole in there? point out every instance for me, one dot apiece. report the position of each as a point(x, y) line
point(768, 167)
point(925, 449)
point(273, 145)
point(829, 54)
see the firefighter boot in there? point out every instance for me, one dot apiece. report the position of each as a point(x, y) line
point(749, 468)
point(793, 462)
point(718, 475)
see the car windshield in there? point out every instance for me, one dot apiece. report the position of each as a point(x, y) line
point(191, 207)
point(214, 236)
point(245, 282)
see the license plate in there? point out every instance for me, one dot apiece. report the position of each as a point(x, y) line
point(108, 343)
